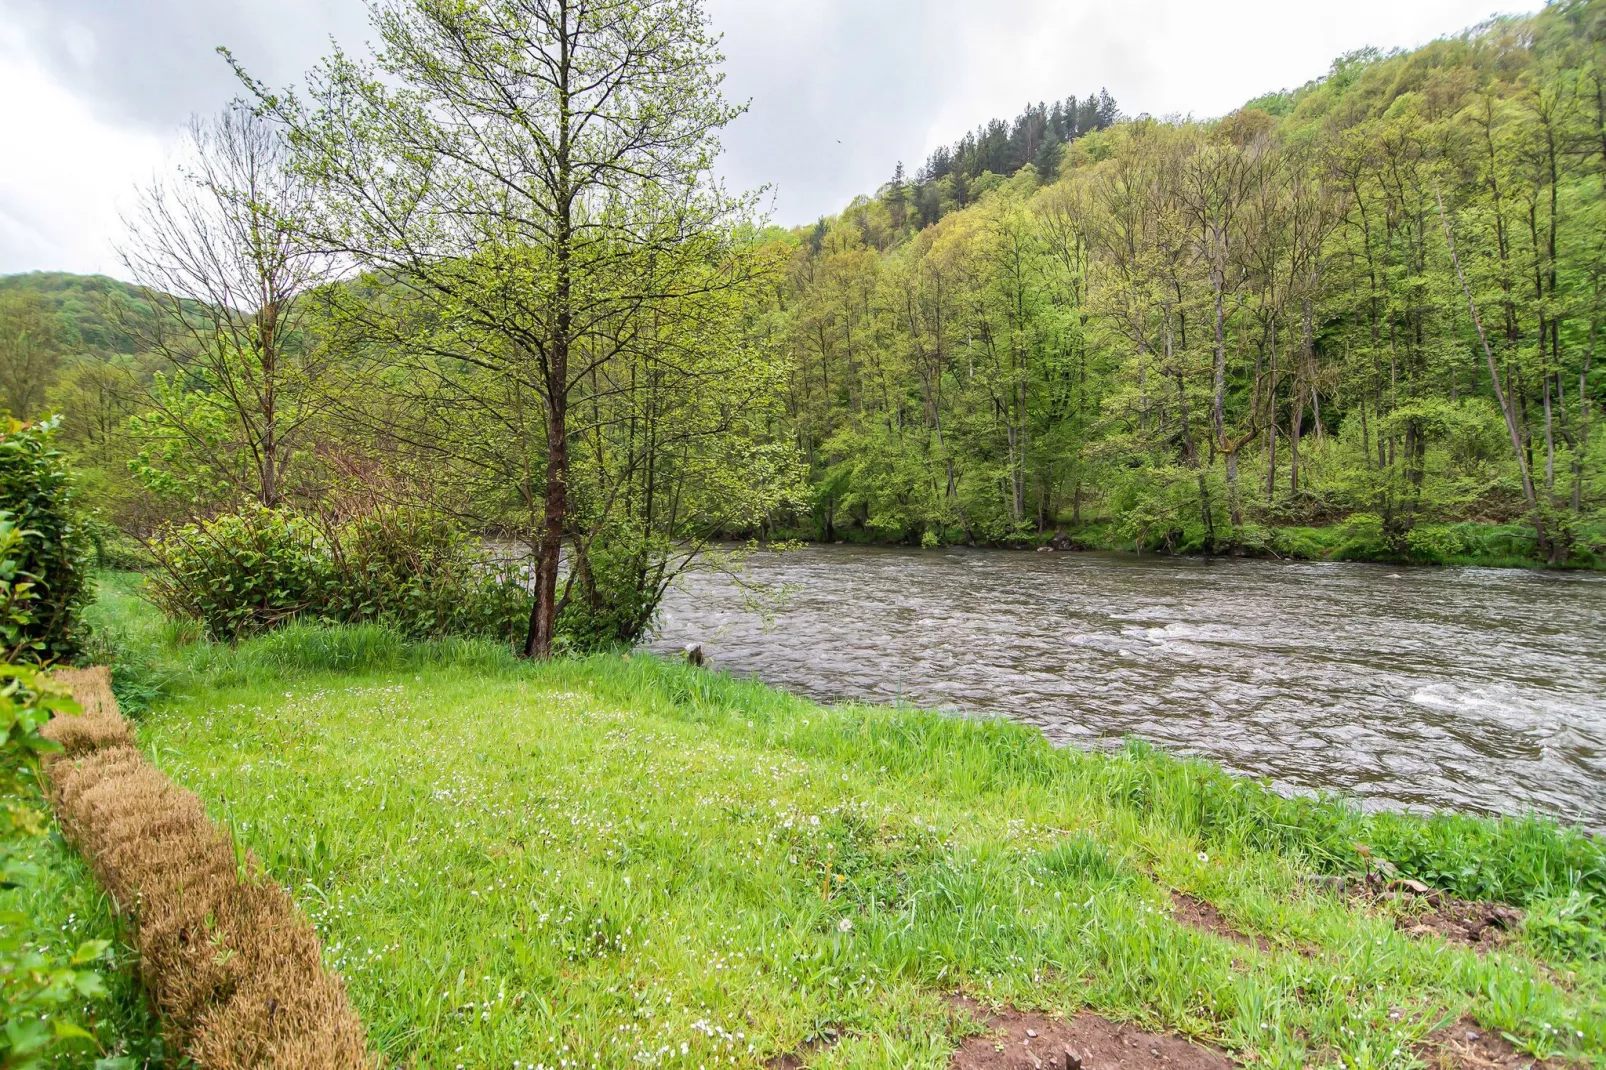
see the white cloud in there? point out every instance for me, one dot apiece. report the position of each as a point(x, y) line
point(67, 172)
point(841, 90)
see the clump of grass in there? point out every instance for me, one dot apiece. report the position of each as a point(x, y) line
point(64, 909)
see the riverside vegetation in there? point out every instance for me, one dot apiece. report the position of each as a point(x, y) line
point(483, 289)
point(618, 861)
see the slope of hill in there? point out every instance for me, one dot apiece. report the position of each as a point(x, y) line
point(92, 311)
point(1372, 303)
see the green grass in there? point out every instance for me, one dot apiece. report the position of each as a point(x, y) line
point(66, 909)
point(617, 861)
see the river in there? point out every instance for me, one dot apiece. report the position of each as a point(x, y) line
point(1466, 689)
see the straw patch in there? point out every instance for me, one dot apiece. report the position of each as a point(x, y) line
point(233, 968)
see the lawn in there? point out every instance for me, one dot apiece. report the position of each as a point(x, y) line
point(619, 862)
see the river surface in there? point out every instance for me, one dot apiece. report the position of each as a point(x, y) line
point(1472, 689)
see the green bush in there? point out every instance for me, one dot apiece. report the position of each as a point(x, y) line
point(248, 572)
point(38, 990)
point(42, 560)
point(242, 573)
point(617, 585)
point(424, 576)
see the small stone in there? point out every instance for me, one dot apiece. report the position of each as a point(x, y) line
point(1073, 1061)
point(1031, 1033)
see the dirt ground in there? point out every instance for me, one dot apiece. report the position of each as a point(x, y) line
point(1195, 913)
point(1468, 1046)
point(1020, 1041)
point(1458, 921)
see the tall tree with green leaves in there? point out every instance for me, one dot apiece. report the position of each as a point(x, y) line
point(536, 175)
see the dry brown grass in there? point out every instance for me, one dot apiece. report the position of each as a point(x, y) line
point(101, 725)
point(232, 966)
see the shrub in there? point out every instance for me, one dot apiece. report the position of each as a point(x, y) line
point(424, 576)
point(242, 573)
point(248, 572)
point(1365, 538)
point(42, 565)
point(38, 990)
point(617, 585)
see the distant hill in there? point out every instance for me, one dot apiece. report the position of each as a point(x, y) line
point(956, 175)
point(93, 311)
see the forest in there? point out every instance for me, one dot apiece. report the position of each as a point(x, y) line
point(1357, 319)
point(1371, 302)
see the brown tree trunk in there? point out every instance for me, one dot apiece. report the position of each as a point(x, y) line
point(267, 324)
point(1506, 407)
point(554, 511)
point(544, 612)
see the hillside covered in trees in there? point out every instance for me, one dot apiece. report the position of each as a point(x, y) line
point(1374, 301)
point(1358, 318)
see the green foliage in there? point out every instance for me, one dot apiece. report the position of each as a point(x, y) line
point(42, 555)
point(1572, 926)
point(248, 572)
point(422, 575)
point(94, 313)
point(39, 991)
point(1200, 335)
point(244, 572)
point(617, 585)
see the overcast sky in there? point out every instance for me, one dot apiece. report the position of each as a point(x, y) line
point(92, 92)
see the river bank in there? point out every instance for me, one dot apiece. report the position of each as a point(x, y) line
point(1361, 539)
point(620, 861)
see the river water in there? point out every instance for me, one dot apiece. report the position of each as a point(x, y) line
point(1470, 689)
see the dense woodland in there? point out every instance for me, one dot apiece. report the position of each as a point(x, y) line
point(1375, 299)
point(1358, 318)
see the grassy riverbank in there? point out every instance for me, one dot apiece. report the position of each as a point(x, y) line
point(616, 861)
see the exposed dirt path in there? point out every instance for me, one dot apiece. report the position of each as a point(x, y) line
point(1017, 1040)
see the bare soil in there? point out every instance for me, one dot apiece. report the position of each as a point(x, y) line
point(1017, 1040)
point(1466, 1045)
point(1422, 911)
point(1457, 921)
point(1195, 913)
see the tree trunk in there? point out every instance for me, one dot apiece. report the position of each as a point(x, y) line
point(544, 613)
point(1581, 448)
point(1506, 407)
point(1271, 424)
point(1235, 508)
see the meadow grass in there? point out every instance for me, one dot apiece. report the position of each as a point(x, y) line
point(616, 861)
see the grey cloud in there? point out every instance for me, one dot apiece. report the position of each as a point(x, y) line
point(840, 90)
point(154, 62)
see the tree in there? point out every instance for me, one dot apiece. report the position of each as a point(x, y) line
point(532, 172)
point(535, 173)
point(30, 353)
point(218, 255)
